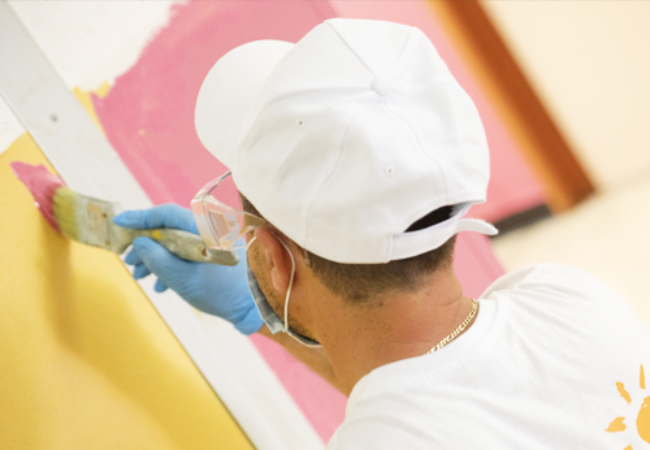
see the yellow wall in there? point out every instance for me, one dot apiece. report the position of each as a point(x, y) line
point(86, 362)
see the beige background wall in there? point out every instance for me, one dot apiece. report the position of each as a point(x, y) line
point(590, 63)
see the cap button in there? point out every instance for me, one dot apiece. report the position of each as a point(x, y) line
point(382, 85)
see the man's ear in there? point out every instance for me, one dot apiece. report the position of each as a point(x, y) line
point(275, 257)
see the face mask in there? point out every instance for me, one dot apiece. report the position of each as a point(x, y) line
point(270, 318)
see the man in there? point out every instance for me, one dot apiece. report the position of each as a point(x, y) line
point(357, 155)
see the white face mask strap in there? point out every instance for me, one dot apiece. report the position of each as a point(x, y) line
point(286, 301)
point(293, 271)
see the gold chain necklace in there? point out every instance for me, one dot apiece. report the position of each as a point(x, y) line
point(458, 330)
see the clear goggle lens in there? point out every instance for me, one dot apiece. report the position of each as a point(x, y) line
point(219, 216)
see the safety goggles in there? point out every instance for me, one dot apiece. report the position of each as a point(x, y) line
point(221, 226)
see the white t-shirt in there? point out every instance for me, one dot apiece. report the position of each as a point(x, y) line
point(552, 361)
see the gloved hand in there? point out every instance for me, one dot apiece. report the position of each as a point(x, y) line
point(219, 290)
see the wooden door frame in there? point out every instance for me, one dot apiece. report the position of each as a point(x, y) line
point(538, 137)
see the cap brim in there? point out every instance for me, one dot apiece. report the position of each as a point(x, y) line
point(228, 92)
point(411, 244)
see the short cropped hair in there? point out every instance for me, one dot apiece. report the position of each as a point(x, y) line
point(357, 283)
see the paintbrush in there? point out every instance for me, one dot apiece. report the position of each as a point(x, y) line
point(90, 221)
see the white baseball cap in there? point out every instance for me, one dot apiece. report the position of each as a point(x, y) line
point(346, 138)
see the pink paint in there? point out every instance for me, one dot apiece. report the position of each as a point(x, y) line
point(42, 185)
point(475, 263)
point(149, 113)
point(512, 188)
point(148, 117)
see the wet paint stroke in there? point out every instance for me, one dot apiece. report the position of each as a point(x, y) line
point(42, 185)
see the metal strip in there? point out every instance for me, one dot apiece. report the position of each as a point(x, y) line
point(89, 165)
point(10, 128)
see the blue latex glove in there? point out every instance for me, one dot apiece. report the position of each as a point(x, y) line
point(219, 290)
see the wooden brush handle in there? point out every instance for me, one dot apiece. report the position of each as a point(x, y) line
point(188, 246)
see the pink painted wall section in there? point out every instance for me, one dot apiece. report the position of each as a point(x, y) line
point(149, 113)
point(148, 117)
point(512, 188)
point(475, 263)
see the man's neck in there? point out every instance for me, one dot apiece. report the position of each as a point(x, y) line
point(360, 338)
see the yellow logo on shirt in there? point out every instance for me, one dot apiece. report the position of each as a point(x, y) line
point(642, 419)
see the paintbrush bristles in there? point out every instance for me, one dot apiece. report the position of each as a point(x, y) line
point(65, 212)
point(89, 220)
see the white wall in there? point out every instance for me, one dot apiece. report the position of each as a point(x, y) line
point(590, 63)
point(90, 42)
